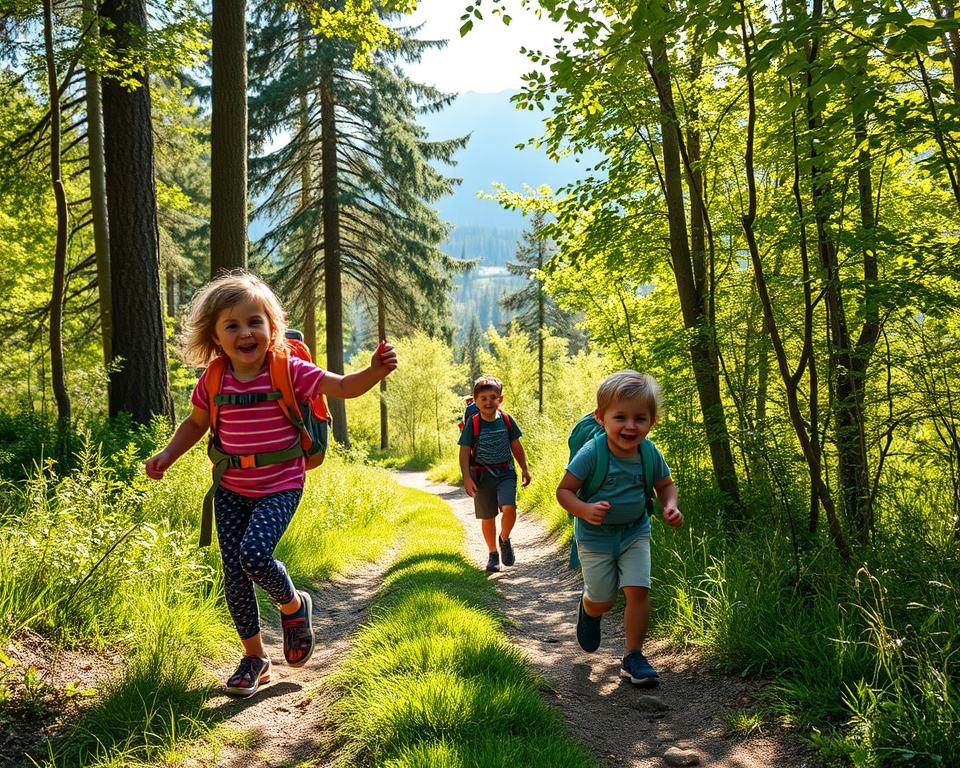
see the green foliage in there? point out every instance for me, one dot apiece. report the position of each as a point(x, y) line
point(359, 21)
point(430, 679)
point(421, 400)
point(101, 557)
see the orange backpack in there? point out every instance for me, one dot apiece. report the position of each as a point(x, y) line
point(311, 418)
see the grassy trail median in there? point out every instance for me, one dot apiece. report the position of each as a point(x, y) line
point(432, 680)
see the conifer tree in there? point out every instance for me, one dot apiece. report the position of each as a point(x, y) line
point(365, 225)
point(536, 311)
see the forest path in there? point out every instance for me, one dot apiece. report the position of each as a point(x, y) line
point(616, 720)
point(281, 725)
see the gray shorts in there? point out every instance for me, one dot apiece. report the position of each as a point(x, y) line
point(604, 574)
point(496, 488)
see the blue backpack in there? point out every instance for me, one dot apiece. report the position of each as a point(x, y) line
point(587, 429)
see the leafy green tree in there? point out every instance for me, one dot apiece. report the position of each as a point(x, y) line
point(421, 394)
point(536, 312)
point(473, 345)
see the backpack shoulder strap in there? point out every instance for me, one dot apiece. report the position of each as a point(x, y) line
point(475, 437)
point(213, 382)
point(594, 482)
point(648, 457)
point(506, 422)
point(298, 348)
point(281, 381)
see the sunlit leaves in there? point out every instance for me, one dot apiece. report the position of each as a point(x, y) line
point(358, 22)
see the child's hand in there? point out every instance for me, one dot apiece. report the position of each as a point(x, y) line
point(672, 516)
point(525, 478)
point(156, 465)
point(595, 512)
point(384, 359)
point(470, 486)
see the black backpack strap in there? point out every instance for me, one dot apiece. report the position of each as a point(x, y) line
point(248, 398)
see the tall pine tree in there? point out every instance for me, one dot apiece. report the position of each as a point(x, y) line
point(536, 312)
point(349, 195)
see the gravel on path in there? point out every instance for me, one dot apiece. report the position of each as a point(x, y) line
point(623, 725)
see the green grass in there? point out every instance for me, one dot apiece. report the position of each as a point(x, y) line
point(431, 680)
point(105, 559)
point(867, 663)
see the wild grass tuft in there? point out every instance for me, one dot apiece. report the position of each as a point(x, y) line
point(104, 558)
point(431, 680)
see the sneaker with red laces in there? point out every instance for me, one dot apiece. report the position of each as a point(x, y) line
point(250, 675)
point(298, 640)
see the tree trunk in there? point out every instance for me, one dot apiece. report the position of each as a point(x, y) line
point(98, 186)
point(854, 472)
point(333, 294)
point(228, 137)
point(541, 325)
point(848, 407)
point(692, 300)
point(57, 368)
point(810, 450)
point(141, 385)
point(382, 334)
point(309, 291)
point(171, 286)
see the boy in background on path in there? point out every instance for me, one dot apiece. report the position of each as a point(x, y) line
point(612, 529)
point(489, 442)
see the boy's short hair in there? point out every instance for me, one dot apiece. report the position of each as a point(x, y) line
point(630, 385)
point(487, 382)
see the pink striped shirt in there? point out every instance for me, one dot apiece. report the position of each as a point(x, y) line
point(261, 427)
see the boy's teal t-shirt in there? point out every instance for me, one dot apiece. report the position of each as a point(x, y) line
point(493, 445)
point(623, 488)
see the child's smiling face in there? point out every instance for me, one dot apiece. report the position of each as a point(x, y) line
point(488, 400)
point(243, 333)
point(626, 423)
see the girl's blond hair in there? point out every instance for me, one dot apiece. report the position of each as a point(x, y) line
point(630, 385)
point(197, 347)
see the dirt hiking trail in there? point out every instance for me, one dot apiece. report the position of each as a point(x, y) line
point(622, 724)
point(281, 725)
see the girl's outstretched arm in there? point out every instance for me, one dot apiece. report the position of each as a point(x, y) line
point(188, 433)
point(384, 361)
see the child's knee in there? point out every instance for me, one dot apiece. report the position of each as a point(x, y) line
point(254, 560)
point(598, 606)
point(636, 595)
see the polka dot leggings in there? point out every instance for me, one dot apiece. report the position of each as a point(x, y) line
point(248, 530)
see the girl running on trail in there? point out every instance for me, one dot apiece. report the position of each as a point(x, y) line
point(239, 317)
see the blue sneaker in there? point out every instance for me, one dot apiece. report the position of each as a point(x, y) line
point(636, 667)
point(588, 629)
point(493, 563)
point(506, 552)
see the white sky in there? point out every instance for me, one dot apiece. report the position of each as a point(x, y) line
point(488, 59)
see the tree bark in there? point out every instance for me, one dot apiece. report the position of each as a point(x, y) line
point(98, 186)
point(57, 368)
point(692, 299)
point(333, 291)
point(309, 292)
point(809, 448)
point(228, 137)
point(541, 325)
point(382, 334)
point(140, 386)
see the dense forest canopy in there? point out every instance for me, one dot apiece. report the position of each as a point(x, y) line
point(768, 224)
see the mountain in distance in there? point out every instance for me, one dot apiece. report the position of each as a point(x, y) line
point(496, 127)
point(482, 230)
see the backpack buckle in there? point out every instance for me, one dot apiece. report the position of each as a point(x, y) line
point(247, 461)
